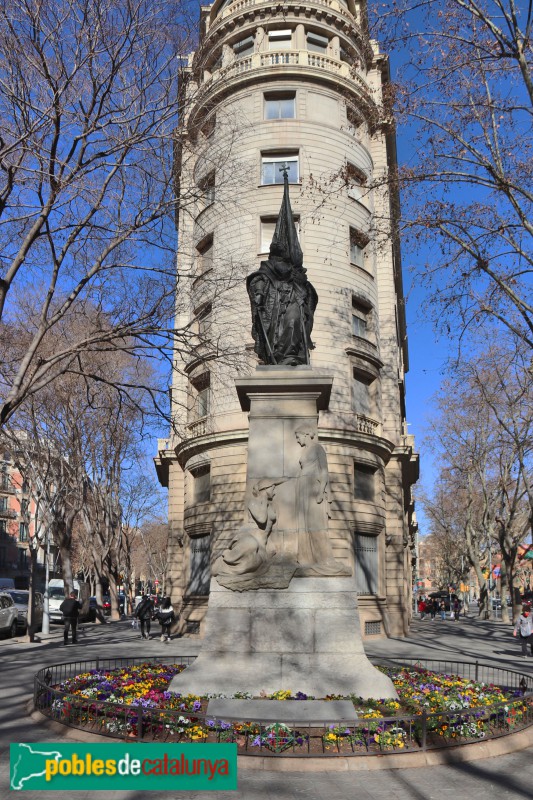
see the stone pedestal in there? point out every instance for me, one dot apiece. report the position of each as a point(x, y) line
point(276, 620)
point(304, 638)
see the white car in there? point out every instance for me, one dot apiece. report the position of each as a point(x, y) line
point(8, 615)
point(21, 598)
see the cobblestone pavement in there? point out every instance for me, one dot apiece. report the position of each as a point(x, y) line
point(508, 777)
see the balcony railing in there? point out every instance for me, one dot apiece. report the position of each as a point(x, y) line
point(366, 425)
point(291, 58)
point(241, 5)
point(6, 487)
point(197, 428)
point(7, 513)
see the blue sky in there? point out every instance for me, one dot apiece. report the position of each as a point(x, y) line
point(428, 354)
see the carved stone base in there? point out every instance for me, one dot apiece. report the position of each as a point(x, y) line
point(273, 574)
point(306, 638)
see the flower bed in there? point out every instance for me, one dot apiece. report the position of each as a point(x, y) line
point(433, 710)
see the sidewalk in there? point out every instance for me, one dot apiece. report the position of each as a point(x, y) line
point(507, 777)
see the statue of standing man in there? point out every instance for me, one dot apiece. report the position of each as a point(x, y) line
point(283, 301)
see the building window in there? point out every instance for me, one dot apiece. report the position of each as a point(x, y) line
point(3, 504)
point(199, 397)
point(200, 564)
point(366, 564)
point(205, 254)
point(207, 189)
point(346, 57)
point(317, 43)
point(204, 319)
point(280, 105)
point(272, 165)
point(358, 243)
point(364, 484)
point(3, 527)
point(362, 393)
point(268, 226)
point(202, 387)
point(24, 506)
point(201, 484)
point(209, 126)
point(356, 179)
point(202, 402)
point(357, 254)
point(244, 47)
point(280, 40)
point(360, 319)
point(23, 532)
point(354, 118)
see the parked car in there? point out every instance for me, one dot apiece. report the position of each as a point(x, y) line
point(106, 604)
point(8, 615)
point(21, 598)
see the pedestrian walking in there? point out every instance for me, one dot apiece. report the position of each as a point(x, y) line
point(166, 616)
point(456, 608)
point(422, 608)
point(523, 629)
point(434, 607)
point(144, 613)
point(442, 609)
point(70, 608)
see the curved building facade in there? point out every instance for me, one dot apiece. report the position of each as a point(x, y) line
point(299, 85)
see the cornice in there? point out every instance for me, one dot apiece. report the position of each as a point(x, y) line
point(193, 447)
point(381, 447)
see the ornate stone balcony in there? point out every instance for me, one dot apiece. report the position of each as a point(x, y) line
point(366, 425)
point(301, 59)
point(198, 428)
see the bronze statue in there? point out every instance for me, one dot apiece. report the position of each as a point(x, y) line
point(283, 301)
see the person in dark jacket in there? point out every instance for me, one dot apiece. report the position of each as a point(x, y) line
point(70, 608)
point(166, 617)
point(144, 613)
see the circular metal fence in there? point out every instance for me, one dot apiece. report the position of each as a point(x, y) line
point(362, 736)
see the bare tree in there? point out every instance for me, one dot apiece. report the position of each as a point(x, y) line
point(465, 97)
point(149, 551)
point(49, 457)
point(484, 435)
point(89, 101)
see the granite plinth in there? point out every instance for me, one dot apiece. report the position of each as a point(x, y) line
point(294, 712)
point(305, 638)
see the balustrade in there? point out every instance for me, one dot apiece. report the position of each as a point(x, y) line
point(277, 58)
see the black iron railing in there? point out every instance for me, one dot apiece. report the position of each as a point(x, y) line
point(360, 736)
